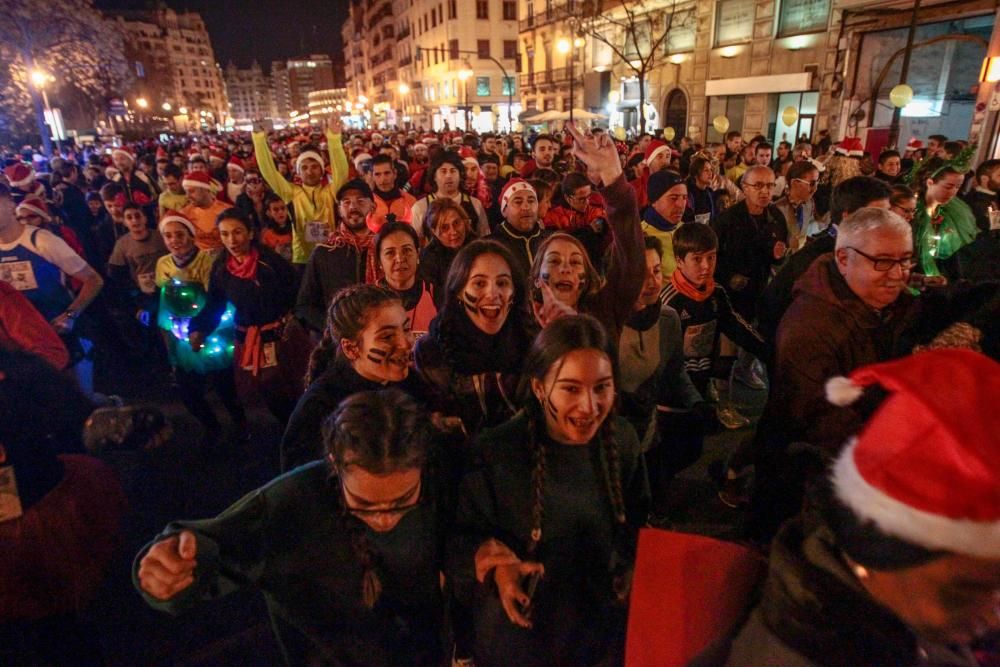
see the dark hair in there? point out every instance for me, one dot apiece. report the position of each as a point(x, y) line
point(652, 243)
point(542, 188)
point(173, 170)
point(572, 182)
point(900, 193)
point(985, 168)
point(446, 157)
point(566, 334)
point(489, 159)
point(382, 158)
point(110, 191)
point(392, 228)
point(550, 176)
point(940, 138)
point(238, 214)
point(544, 137)
point(132, 206)
point(380, 432)
point(885, 155)
point(732, 134)
point(698, 163)
point(148, 159)
point(934, 169)
point(346, 316)
point(953, 147)
point(800, 169)
point(593, 282)
point(763, 146)
point(696, 238)
point(444, 205)
point(5, 191)
point(854, 193)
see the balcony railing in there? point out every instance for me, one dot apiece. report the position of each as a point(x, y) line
point(405, 60)
point(545, 77)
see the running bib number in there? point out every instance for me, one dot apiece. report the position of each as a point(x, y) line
point(268, 356)
point(317, 231)
point(19, 274)
point(703, 218)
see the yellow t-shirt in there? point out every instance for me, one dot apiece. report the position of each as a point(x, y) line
point(197, 271)
point(168, 201)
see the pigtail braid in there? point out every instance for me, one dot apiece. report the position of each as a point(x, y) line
point(612, 469)
point(538, 486)
point(321, 357)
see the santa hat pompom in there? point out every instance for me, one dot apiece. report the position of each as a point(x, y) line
point(842, 391)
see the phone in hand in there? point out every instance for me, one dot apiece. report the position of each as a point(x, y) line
point(530, 584)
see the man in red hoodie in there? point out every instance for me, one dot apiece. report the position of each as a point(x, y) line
point(655, 158)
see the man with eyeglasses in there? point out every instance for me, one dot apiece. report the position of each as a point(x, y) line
point(798, 205)
point(583, 215)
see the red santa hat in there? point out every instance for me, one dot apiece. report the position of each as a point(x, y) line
point(307, 155)
point(237, 163)
point(514, 186)
point(199, 179)
point(19, 175)
point(194, 151)
point(914, 144)
point(161, 154)
point(122, 150)
point(216, 153)
point(34, 205)
point(850, 146)
point(179, 218)
point(654, 148)
point(926, 467)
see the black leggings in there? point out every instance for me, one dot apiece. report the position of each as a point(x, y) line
point(193, 386)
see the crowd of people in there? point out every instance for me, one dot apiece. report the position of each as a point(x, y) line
point(491, 355)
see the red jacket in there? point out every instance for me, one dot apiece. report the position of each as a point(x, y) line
point(22, 327)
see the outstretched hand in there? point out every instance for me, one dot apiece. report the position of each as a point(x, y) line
point(168, 568)
point(597, 152)
point(551, 308)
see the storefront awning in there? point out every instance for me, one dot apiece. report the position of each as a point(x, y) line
point(774, 83)
point(528, 114)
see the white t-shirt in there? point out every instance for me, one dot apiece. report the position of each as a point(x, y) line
point(50, 247)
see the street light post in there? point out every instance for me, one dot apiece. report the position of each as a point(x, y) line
point(40, 78)
point(463, 75)
point(503, 70)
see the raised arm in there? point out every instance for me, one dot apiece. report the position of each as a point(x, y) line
point(265, 162)
point(338, 158)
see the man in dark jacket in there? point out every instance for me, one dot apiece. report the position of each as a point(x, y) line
point(521, 231)
point(347, 258)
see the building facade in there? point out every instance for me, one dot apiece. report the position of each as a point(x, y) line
point(251, 97)
point(293, 80)
point(176, 67)
point(432, 63)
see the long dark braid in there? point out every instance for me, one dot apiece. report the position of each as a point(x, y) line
point(612, 466)
point(537, 482)
point(345, 318)
point(379, 432)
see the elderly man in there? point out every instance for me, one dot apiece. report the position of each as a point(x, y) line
point(346, 258)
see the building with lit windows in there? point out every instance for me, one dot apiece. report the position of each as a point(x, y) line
point(294, 79)
point(251, 97)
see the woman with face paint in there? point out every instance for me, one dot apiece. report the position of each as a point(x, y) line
point(560, 493)
point(345, 551)
point(451, 231)
point(396, 246)
point(272, 350)
point(563, 271)
point(367, 344)
point(471, 357)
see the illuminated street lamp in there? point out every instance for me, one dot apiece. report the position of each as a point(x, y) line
point(141, 102)
point(183, 111)
point(39, 78)
point(464, 75)
point(403, 89)
point(166, 106)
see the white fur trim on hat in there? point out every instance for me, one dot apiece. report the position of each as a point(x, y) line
point(121, 151)
point(307, 155)
point(29, 205)
point(980, 539)
point(191, 183)
point(24, 181)
point(842, 391)
point(179, 219)
point(657, 151)
point(513, 189)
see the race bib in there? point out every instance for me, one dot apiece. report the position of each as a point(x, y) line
point(147, 282)
point(10, 500)
point(703, 218)
point(268, 356)
point(699, 340)
point(317, 231)
point(19, 274)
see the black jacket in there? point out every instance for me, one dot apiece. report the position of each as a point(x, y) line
point(746, 247)
point(329, 270)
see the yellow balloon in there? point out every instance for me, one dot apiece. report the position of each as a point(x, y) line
point(901, 95)
point(620, 133)
point(495, 109)
point(721, 124)
point(476, 109)
point(669, 133)
point(789, 116)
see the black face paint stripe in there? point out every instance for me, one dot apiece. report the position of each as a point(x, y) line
point(378, 355)
point(471, 302)
point(551, 409)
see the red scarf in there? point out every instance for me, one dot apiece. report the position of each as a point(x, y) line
point(247, 269)
point(360, 244)
point(688, 289)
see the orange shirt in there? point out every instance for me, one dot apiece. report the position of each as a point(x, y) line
point(207, 234)
point(400, 207)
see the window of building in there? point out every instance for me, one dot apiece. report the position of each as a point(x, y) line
point(680, 26)
point(801, 16)
point(637, 42)
point(730, 106)
point(483, 48)
point(435, 55)
point(508, 87)
point(440, 13)
point(483, 9)
point(434, 18)
point(453, 49)
point(483, 86)
point(509, 10)
point(510, 48)
point(452, 9)
point(733, 21)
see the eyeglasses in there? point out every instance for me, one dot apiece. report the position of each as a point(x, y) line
point(761, 186)
point(812, 184)
point(884, 264)
point(397, 511)
point(253, 181)
point(906, 212)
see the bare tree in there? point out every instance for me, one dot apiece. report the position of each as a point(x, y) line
point(635, 31)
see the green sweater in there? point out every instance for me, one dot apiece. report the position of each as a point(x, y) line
point(290, 540)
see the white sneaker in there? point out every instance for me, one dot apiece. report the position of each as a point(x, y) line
point(731, 418)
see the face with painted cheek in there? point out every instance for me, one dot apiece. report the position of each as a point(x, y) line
point(488, 294)
point(576, 394)
point(383, 351)
point(564, 268)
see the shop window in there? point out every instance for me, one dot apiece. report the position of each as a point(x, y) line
point(483, 86)
point(730, 106)
point(733, 21)
point(801, 16)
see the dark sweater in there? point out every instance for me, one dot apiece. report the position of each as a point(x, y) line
point(329, 270)
point(746, 248)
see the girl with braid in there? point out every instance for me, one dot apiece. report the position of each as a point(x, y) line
point(367, 344)
point(346, 551)
point(560, 491)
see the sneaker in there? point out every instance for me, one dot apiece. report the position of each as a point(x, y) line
point(750, 376)
point(735, 491)
point(731, 418)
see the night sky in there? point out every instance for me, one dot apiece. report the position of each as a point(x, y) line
point(264, 30)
